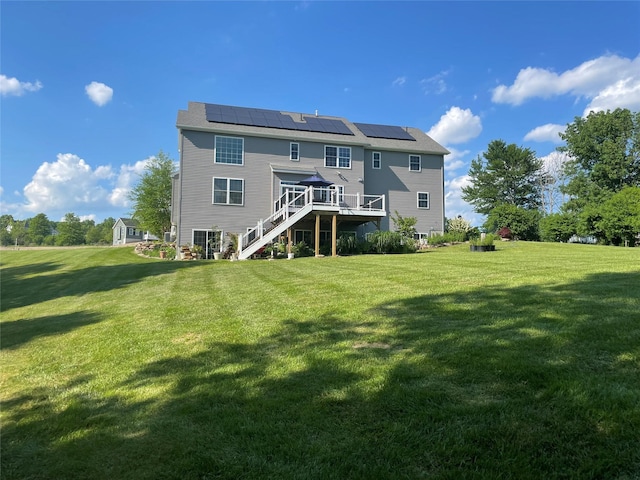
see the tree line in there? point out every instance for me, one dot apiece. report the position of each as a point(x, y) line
point(39, 230)
point(594, 193)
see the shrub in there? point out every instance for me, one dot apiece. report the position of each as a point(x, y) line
point(488, 239)
point(347, 244)
point(386, 242)
point(301, 249)
point(505, 232)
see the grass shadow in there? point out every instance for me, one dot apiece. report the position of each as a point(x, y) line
point(508, 382)
point(19, 332)
point(36, 283)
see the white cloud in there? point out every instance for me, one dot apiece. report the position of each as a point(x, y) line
point(454, 161)
point(13, 86)
point(609, 81)
point(435, 84)
point(398, 82)
point(454, 205)
point(456, 126)
point(545, 133)
point(99, 93)
point(554, 161)
point(65, 184)
point(622, 94)
point(128, 176)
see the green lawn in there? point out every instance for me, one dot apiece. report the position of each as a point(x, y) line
point(520, 363)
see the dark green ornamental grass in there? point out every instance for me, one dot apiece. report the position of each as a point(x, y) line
point(522, 363)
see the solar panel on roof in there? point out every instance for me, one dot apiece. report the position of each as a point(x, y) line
point(257, 117)
point(384, 131)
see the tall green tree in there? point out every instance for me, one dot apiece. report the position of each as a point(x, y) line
point(505, 174)
point(152, 195)
point(39, 228)
point(604, 156)
point(523, 223)
point(70, 231)
point(6, 222)
point(620, 219)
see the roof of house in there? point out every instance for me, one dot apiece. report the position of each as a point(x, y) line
point(128, 222)
point(301, 126)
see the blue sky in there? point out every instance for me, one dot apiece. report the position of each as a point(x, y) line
point(91, 90)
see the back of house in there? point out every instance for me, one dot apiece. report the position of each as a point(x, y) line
point(239, 166)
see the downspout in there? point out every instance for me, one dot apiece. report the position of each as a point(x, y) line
point(442, 196)
point(181, 176)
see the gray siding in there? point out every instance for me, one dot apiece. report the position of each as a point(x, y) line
point(401, 187)
point(264, 160)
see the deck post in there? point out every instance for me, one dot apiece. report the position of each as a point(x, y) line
point(289, 240)
point(334, 235)
point(317, 237)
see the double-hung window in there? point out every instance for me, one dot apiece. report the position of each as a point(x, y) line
point(415, 165)
point(337, 157)
point(376, 160)
point(423, 200)
point(294, 152)
point(229, 150)
point(228, 191)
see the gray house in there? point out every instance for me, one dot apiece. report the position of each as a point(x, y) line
point(126, 230)
point(266, 174)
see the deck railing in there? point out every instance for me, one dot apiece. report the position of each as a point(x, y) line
point(292, 201)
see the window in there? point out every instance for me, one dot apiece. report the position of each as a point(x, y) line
point(337, 157)
point(229, 150)
point(414, 163)
point(302, 236)
point(423, 200)
point(294, 152)
point(228, 191)
point(376, 160)
point(132, 232)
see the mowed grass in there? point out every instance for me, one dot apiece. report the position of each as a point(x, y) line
point(520, 363)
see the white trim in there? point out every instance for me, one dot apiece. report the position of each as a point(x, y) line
point(215, 150)
point(373, 160)
point(419, 163)
point(337, 166)
point(428, 207)
point(297, 152)
point(213, 191)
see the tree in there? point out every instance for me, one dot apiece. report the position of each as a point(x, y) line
point(620, 216)
point(101, 233)
point(523, 223)
point(39, 228)
point(152, 196)
point(508, 174)
point(558, 227)
point(604, 156)
point(6, 222)
point(70, 231)
point(405, 226)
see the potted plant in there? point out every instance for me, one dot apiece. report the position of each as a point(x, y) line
point(197, 250)
point(483, 244)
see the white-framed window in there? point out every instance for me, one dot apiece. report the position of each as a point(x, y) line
point(415, 164)
point(337, 157)
point(423, 200)
point(229, 150)
point(376, 160)
point(132, 232)
point(294, 152)
point(228, 191)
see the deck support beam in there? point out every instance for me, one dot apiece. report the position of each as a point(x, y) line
point(334, 235)
point(317, 237)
